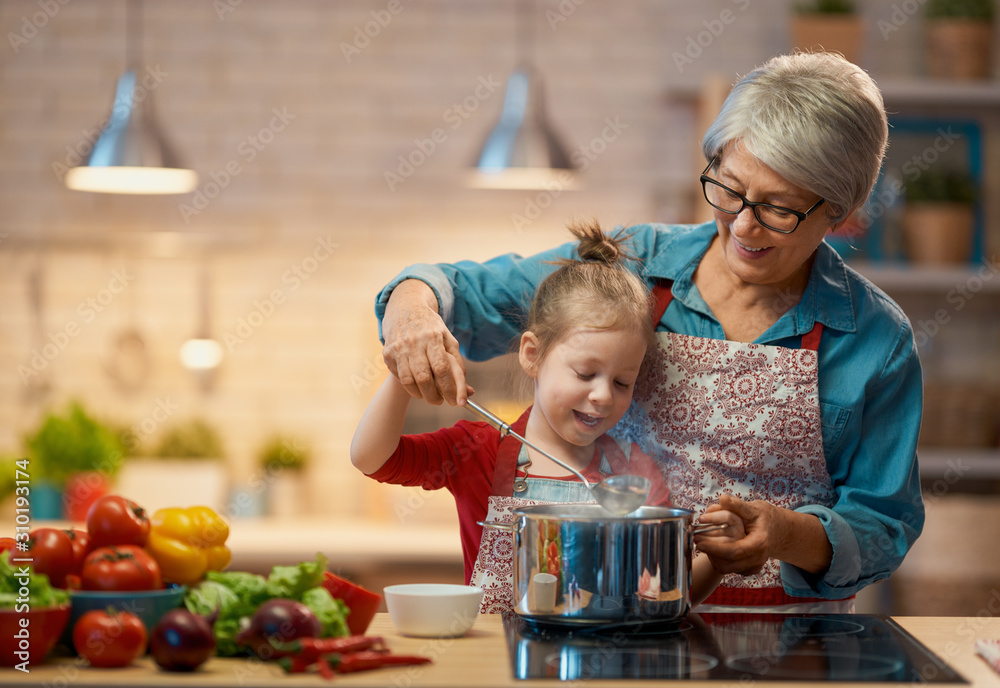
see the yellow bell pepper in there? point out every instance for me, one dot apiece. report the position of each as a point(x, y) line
point(188, 542)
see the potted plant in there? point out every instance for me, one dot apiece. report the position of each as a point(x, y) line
point(185, 467)
point(959, 35)
point(73, 458)
point(939, 217)
point(283, 460)
point(828, 25)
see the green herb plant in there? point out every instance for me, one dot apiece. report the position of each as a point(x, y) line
point(280, 453)
point(825, 7)
point(941, 186)
point(960, 9)
point(192, 439)
point(73, 442)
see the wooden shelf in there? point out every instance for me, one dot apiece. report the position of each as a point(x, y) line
point(957, 464)
point(933, 92)
point(913, 278)
point(903, 91)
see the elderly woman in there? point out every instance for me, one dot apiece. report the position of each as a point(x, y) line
point(786, 387)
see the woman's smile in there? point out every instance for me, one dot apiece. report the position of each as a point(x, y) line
point(751, 253)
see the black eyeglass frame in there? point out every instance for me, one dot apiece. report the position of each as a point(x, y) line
point(705, 179)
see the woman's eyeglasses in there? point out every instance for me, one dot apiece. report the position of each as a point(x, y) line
point(774, 217)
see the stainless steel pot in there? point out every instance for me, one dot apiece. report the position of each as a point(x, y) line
point(579, 564)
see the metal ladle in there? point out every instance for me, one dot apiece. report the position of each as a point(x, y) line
point(619, 494)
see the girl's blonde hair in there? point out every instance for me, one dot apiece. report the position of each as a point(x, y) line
point(599, 290)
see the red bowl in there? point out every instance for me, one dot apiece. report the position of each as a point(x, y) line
point(44, 626)
point(362, 602)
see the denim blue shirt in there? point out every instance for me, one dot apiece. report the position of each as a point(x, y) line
point(870, 387)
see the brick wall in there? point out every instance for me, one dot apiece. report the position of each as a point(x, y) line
point(297, 110)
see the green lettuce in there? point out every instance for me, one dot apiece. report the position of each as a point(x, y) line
point(330, 612)
point(290, 582)
point(235, 595)
point(40, 591)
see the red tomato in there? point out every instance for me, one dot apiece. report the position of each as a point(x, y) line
point(7, 543)
point(80, 541)
point(125, 567)
point(109, 638)
point(114, 520)
point(51, 553)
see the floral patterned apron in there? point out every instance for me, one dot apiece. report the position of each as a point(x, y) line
point(494, 567)
point(740, 419)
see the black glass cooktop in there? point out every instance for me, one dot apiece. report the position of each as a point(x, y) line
point(799, 647)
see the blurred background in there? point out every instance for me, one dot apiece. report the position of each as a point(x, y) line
point(333, 143)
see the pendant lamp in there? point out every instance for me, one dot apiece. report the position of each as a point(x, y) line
point(523, 151)
point(131, 154)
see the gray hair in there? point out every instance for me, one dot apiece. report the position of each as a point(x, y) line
point(815, 119)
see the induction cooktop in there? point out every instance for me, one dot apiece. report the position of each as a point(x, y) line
point(798, 647)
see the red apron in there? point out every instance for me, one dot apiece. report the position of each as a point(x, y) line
point(734, 418)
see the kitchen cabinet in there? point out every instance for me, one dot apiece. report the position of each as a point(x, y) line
point(480, 658)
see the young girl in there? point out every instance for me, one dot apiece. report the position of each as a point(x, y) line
point(587, 333)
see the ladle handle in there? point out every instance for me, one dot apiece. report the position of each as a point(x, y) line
point(505, 430)
point(509, 527)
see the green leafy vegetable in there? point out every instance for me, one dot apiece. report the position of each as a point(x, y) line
point(236, 595)
point(291, 581)
point(331, 613)
point(40, 591)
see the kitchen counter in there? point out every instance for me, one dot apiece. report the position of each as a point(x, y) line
point(480, 659)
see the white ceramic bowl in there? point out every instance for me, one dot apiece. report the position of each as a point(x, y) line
point(433, 610)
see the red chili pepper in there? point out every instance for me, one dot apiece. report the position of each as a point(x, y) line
point(314, 648)
point(325, 670)
point(363, 661)
point(295, 665)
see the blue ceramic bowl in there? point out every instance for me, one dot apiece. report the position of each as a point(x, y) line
point(148, 605)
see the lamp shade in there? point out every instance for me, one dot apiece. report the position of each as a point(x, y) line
point(523, 151)
point(131, 154)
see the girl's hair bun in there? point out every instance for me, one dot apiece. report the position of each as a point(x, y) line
point(595, 245)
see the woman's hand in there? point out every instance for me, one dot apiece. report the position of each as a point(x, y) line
point(734, 528)
point(771, 533)
point(419, 350)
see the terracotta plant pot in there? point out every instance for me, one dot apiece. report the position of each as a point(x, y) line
point(959, 49)
point(82, 490)
point(938, 233)
point(842, 34)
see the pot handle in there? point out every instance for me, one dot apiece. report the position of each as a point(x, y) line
point(707, 528)
point(496, 524)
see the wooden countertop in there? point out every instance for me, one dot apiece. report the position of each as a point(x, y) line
point(480, 659)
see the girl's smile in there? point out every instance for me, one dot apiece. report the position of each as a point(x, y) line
point(583, 386)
